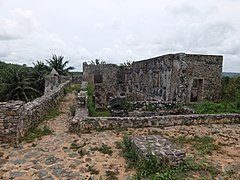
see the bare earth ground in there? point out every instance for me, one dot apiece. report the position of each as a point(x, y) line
point(54, 156)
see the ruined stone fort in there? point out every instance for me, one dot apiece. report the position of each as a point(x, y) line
point(173, 77)
point(161, 81)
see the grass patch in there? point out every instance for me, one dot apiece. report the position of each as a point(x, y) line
point(151, 168)
point(203, 144)
point(103, 149)
point(52, 113)
point(217, 108)
point(72, 88)
point(105, 113)
point(35, 133)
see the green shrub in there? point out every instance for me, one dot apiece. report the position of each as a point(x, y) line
point(90, 90)
point(216, 108)
point(72, 109)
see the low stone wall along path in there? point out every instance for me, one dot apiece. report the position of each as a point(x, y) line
point(54, 156)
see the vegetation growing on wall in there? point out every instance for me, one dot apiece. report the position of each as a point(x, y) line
point(91, 105)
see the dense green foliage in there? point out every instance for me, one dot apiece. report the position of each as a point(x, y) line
point(217, 108)
point(231, 89)
point(19, 82)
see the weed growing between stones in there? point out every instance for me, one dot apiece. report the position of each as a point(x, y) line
point(72, 109)
point(35, 133)
point(150, 167)
point(52, 113)
point(103, 149)
point(92, 169)
point(203, 144)
point(76, 146)
point(111, 175)
point(72, 88)
point(82, 152)
point(231, 172)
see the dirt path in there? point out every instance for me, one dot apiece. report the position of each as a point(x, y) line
point(55, 157)
point(62, 155)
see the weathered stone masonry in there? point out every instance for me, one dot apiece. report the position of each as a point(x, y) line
point(92, 123)
point(172, 77)
point(16, 117)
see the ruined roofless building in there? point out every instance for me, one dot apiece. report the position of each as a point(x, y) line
point(173, 77)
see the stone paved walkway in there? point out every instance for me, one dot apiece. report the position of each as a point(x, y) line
point(52, 157)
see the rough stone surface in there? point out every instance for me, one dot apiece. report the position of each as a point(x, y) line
point(80, 124)
point(164, 150)
point(173, 77)
point(16, 117)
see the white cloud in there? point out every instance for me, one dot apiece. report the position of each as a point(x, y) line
point(117, 31)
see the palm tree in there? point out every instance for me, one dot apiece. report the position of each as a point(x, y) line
point(57, 63)
point(97, 61)
point(17, 85)
point(40, 70)
point(127, 63)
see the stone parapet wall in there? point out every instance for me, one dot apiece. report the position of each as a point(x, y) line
point(17, 117)
point(10, 115)
point(92, 123)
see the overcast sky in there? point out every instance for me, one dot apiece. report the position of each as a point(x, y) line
point(118, 30)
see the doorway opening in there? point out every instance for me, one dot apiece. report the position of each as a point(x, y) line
point(197, 90)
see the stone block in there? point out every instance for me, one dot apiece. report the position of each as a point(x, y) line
point(156, 145)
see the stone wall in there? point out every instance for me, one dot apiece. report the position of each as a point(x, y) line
point(173, 77)
point(10, 116)
point(108, 81)
point(91, 123)
point(17, 117)
point(170, 78)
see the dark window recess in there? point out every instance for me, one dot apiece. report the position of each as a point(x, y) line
point(98, 78)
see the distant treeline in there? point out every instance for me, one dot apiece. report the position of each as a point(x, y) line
point(230, 74)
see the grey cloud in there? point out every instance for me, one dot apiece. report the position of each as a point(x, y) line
point(190, 10)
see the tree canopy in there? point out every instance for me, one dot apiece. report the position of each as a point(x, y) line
point(59, 65)
point(97, 61)
point(19, 82)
